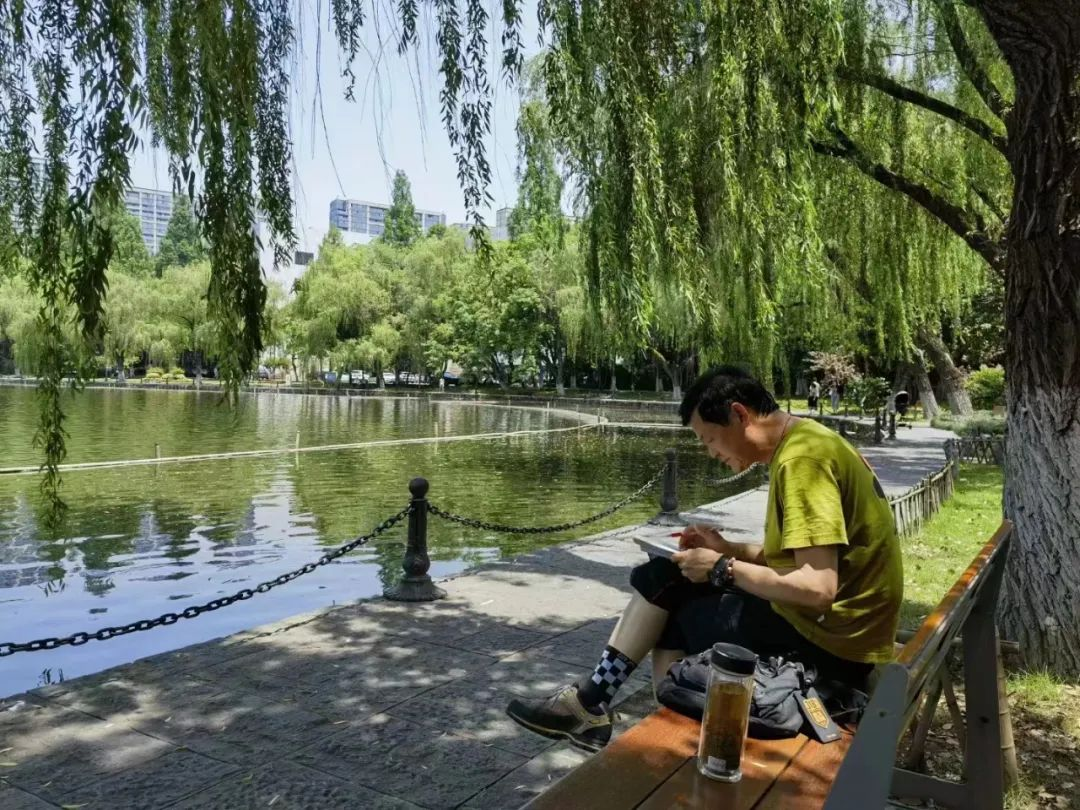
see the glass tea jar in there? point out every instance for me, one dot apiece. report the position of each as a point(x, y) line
point(727, 712)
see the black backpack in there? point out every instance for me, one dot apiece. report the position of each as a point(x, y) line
point(774, 711)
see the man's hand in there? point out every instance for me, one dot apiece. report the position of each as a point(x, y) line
point(696, 563)
point(698, 536)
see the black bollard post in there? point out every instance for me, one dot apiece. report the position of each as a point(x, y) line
point(892, 425)
point(669, 498)
point(843, 428)
point(878, 434)
point(416, 586)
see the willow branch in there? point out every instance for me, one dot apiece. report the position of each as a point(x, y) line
point(952, 216)
point(968, 60)
point(899, 91)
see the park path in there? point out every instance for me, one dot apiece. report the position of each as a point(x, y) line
point(374, 704)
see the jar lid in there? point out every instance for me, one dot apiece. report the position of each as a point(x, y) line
point(733, 658)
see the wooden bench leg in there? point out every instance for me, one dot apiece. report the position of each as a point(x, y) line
point(913, 760)
point(982, 757)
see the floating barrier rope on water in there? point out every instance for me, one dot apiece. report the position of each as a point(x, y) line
point(278, 451)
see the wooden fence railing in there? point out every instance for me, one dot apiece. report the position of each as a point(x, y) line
point(980, 449)
point(912, 509)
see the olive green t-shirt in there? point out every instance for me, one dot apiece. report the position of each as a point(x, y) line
point(823, 493)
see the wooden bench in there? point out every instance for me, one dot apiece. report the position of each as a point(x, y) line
point(654, 764)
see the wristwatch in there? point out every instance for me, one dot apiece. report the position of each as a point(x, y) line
point(723, 573)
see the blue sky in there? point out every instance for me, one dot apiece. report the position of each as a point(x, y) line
point(393, 124)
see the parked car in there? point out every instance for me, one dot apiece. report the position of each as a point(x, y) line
point(359, 377)
point(389, 378)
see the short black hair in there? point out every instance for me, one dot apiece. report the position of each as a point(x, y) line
point(713, 392)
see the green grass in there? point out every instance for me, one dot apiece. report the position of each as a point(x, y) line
point(1045, 709)
point(935, 557)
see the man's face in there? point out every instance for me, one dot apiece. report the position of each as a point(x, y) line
point(729, 443)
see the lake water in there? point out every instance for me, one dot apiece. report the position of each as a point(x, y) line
point(144, 540)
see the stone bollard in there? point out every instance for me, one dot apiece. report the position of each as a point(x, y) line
point(416, 586)
point(878, 434)
point(892, 425)
point(669, 497)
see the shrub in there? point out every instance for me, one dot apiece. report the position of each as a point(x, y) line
point(869, 393)
point(986, 387)
point(980, 423)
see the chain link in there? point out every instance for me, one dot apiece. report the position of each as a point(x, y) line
point(105, 633)
point(562, 527)
point(756, 467)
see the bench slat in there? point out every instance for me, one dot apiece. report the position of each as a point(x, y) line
point(763, 761)
point(629, 769)
point(920, 651)
point(806, 782)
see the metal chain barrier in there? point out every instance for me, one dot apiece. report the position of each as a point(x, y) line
point(562, 527)
point(105, 633)
point(756, 467)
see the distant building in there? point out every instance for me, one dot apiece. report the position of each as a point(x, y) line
point(369, 219)
point(153, 209)
point(501, 231)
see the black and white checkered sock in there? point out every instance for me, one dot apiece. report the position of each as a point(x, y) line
point(611, 673)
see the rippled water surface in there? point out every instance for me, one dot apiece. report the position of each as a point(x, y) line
point(143, 540)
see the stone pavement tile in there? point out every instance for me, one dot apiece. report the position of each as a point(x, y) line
point(529, 675)
point(581, 646)
point(151, 785)
point(430, 621)
point(240, 728)
point(53, 747)
point(399, 758)
point(285, 785)
point(499, 641)
point(538, 598)
point(11, 798)
point(475, 709)
point(526, 782)
point(124, 697)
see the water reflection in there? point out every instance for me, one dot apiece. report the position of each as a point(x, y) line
point(142, 541)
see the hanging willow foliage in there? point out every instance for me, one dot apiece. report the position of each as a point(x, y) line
point(719, 146)
point(82, 80)
point(716, 146)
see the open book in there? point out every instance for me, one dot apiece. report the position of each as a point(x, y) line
point(657, 541)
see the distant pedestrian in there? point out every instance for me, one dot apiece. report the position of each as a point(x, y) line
point(813, 397)
point(834, 397)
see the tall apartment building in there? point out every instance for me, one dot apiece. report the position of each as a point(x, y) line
point(369, 219)
point(152, 208)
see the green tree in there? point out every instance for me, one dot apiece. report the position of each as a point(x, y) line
point(401, 228)
point(129, 256)
point(181, 245)
point(705, 136)
point(539, 206)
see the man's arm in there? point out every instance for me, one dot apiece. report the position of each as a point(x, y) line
point(811, 583)
point(701, 536)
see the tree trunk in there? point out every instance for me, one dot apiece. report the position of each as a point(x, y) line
point(560, 363)
point(952, 378)
point(614, 385)
point(659, 380)
point(1040, 605)
point(926, 392)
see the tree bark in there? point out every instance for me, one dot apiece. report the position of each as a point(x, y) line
point(614, 382)
point(952, 378)
point(560, 386)
point(1040, 606)
point(926, 391)
point(659, 380)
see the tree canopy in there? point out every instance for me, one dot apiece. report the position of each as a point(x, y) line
point(401, 227)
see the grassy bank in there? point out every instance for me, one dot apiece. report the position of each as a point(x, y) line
point(1045, 710)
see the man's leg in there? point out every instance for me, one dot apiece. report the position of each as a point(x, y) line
point(580, 712)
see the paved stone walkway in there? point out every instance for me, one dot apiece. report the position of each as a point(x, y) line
point(371, 705)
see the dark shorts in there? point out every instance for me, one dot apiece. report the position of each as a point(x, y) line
point(701, 616)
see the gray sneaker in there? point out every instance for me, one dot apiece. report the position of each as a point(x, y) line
point(562, 717)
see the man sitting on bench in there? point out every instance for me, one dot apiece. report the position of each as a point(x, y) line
point(825, 587)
